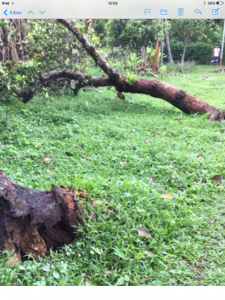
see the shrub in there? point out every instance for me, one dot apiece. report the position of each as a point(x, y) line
point(199, 52)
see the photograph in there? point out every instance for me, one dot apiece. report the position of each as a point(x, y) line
point(112, 146)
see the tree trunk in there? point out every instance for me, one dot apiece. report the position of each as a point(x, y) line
point(6, 48)
point(13, 51)
point(143, 58)
point(154, 65)
point(35, 221)
point(184, 51)
point(167, 39)
point(19, 45)
point(175, 96)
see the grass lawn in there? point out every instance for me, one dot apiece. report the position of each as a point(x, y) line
point(126, 155)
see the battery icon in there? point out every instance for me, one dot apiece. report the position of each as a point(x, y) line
point(219, 3)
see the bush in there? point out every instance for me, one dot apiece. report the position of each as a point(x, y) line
point(199, 52)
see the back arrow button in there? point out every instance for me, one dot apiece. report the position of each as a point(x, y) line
point(5, 12)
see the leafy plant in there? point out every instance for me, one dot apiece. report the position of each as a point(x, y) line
point(130, 78)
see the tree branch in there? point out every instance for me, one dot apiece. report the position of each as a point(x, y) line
point(83, 80)
point(97, 57)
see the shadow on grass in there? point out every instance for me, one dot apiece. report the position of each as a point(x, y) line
point(65, 109)
point(87, 103)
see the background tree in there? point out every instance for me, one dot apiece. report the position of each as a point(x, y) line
point(187, 30)
point(12, 40)
point(114, 29)
point(138, 33)
point(167, 40)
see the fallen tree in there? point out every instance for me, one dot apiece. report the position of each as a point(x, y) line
point(34, 221)
point(175, 96)
point(157, 89)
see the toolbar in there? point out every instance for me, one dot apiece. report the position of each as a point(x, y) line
point(120, 9)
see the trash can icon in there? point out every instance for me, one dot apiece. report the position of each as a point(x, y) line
point(180, 11)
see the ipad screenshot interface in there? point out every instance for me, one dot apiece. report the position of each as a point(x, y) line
point(112, 142)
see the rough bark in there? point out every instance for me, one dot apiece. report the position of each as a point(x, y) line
point(35, 221)
point(175, 96)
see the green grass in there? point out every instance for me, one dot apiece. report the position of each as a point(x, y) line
point(120, 161)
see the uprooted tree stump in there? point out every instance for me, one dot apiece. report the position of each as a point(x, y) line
point(32, 222)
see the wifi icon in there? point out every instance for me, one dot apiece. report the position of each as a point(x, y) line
point(12, 3)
